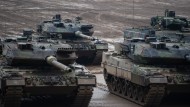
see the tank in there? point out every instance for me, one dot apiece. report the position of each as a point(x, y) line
point(145, 70)
point(43, 68)
point(77, 34)
point(26, 36)
point(170, 21)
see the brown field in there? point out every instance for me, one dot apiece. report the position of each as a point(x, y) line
point(110, 17)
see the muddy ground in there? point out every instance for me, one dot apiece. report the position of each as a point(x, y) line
point(109, 17)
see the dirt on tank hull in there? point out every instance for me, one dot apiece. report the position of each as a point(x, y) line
point(31, 68)
point(144, 68)
point(142, 84)
point(76, 33)
point(42, 82)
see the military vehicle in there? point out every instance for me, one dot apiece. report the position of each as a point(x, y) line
point(26, 36)
point(30, 68)
point(170, 21)
point(66, 27)
point(143, 69)
point(173, 36)
point(77, 34)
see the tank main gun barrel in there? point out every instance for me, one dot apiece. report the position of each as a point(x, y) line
point(53, 61)
point(80, 34)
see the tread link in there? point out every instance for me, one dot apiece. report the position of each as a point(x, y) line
point(151, 95)
point(12, 97)
point(83, 97)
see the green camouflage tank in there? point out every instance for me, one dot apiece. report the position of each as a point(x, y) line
point(143, 68)
point(170, 21)
point(77, 34)
point(30, 68)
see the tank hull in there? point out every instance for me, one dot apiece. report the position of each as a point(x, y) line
point(142, 83)
point(25, 82)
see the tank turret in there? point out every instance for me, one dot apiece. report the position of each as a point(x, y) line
point(66, 27)
point(27, 53)
point(143, 46)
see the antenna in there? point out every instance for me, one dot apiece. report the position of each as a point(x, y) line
point(133, 13)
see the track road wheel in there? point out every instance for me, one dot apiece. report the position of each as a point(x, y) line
point(113, 84)
point(119, 86)
point(141, 94)
point(129, 91)
point(12, 97)
point(124, 89)
point(135, 92)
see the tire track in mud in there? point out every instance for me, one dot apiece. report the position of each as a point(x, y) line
point(112, 23)
point(108, 24)
point(96, 19)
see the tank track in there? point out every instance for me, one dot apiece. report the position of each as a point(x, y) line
point(97, 59)
point(12, 97)
point(83, 97)
point(150, 96)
